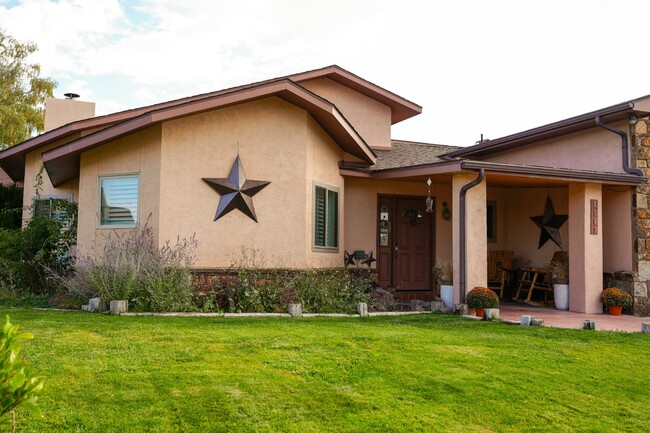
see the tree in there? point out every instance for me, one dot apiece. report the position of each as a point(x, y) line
point(22, 92)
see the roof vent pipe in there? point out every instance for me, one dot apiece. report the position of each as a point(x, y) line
point(71, 95)
point(462, 272)
point(624, 146)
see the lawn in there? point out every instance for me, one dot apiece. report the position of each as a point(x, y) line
point(407, 373)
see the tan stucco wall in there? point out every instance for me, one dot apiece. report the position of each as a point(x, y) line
point(361, 212)
point(277, 142)
point(475, 234)
point(617, 229)
point(586, 256)
point(517, 232)
point(138, 153)
point(594, 149)
point(371, 119)
point(59, 112)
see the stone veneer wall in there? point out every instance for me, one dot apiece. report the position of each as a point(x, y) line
point(640, 143)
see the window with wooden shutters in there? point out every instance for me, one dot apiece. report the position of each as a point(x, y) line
point(326, 216)
point(118, 201)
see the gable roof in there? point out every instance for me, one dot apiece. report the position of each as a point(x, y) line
point(13, 158)
point(639, 107)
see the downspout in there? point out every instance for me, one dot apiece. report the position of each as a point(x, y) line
point(624, 146)
point(463, 233)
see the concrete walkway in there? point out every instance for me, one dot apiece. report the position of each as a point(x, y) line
point(566, 319)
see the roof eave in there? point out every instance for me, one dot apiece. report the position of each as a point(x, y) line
point(62, 163)
point(574, 124)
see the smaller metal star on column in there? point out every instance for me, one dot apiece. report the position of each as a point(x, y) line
point(236, 191)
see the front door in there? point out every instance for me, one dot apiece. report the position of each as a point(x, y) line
point(405, 256)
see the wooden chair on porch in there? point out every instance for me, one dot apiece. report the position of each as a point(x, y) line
point(538, 279)
point(499, 270)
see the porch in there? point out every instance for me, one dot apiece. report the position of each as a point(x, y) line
point(571, 320)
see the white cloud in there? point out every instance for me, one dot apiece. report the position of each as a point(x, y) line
point(477, 67)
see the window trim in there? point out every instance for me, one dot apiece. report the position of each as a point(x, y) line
point(327, 188)
point(99, 201)
point(491, 204)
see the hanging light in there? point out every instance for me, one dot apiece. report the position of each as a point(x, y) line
point(429, 200)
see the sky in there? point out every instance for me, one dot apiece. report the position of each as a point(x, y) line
point(476, 67)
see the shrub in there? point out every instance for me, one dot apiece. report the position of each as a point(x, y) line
point(614, 296)
point(132, 267)
point(11, 207)
point(18, 388)
point(481, 298)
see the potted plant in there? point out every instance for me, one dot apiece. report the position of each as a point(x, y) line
point(560, 273)
point(615, 300)
point(480, 298)
point(444, 273)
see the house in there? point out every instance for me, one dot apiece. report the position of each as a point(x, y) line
point(303, 168)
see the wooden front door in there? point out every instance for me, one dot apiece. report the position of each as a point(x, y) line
point(405, 256)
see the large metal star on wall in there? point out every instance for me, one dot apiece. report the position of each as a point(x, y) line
point(549, 224)
point(236, 191)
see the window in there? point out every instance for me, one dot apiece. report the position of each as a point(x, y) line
point(52, 206)
point(119, 201)
point(326, 217)
point(491, 209)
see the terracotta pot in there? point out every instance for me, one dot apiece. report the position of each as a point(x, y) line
point(615, 310)
point(479, 312)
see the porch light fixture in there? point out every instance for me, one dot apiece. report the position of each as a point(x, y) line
point(429, 200)
point(446, 213)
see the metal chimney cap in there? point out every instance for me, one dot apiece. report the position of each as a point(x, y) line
point(71, 95)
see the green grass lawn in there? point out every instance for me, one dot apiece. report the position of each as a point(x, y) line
point(408, 373)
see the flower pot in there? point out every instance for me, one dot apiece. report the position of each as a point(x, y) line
point(561, 296)
point(447, 295)
point(479, 312)
point(615, 310)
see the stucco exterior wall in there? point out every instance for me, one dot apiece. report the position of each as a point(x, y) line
point(617, 229)
point(276, 142)
point(371, 119)
point(59, 112)
point(517, 232)
point(594, 150)
point(361, 212)
point(138, 153)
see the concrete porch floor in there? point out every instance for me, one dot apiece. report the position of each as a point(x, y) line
point(566, 319)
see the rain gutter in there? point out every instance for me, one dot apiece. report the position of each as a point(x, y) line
point(624, 147)
point(463, 233)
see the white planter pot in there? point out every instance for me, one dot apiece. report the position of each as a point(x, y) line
point(561, 296)
point(447, 295)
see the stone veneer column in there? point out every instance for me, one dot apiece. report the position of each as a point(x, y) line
point(585, 249)
point(640, 158)
point(476, 233)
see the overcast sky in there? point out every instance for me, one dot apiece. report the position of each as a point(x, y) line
point(477, 67)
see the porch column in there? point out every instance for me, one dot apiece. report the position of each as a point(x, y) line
point(585, 247)
point(475, 230)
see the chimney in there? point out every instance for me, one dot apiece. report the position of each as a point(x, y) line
point(59, 112)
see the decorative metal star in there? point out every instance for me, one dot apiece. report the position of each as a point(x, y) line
point(368, 260)
point(236, 191)
point(549, 224)
point(348, 259)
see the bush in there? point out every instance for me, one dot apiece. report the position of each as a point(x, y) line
point(18, 388)
point(481, 298)
point(11, 207)
point(131, 267)
point(615, 297)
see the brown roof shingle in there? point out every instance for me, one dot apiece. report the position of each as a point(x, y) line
point(409, 154)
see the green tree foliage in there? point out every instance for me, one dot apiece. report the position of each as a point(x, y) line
point(18, 388)
point(22, 91)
